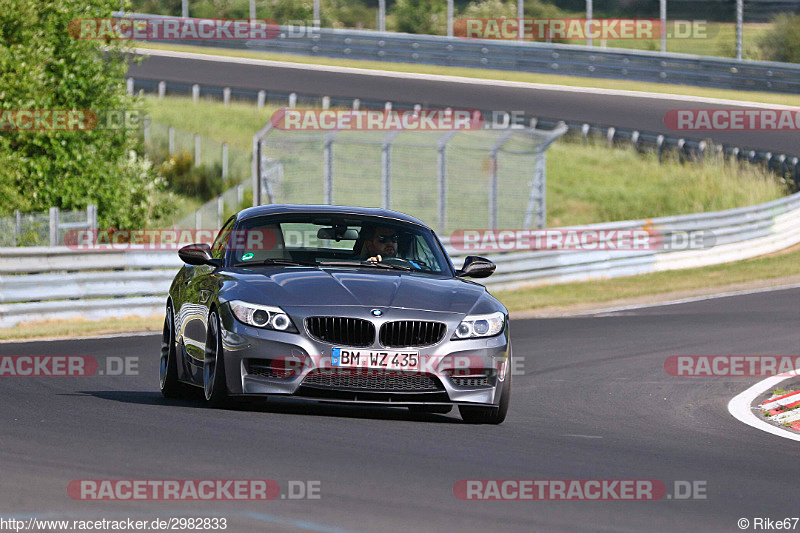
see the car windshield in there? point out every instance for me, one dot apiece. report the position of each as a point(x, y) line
point(326, 240)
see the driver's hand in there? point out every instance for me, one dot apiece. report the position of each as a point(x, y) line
point(374, 259)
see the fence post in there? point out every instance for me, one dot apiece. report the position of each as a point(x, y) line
point(239, 195)
point(493, 178)
point(147, 129)
point(441, 169)
point(17, 227)
point(53, 226)
point(536, 201)
point(162, 89)
point(198, 219)
point(91, 216)
point(256, 170)
point(220, 210)
point(196, 150)
point(356, 104)
point(129, 86)
point(171, 137)
point(326, 102)
point(226, 96)
point(195, 93)
point(386, 169)
point(292, 100)
point(224, 161)
point(262, 97)
point(327, 168)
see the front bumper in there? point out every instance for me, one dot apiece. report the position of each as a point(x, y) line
point(266, 362)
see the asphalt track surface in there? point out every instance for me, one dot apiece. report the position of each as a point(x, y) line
point(594, 403)
point(621, 111)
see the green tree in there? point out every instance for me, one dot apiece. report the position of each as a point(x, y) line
point(420, 16)
point(43, 67)
point(783, 42)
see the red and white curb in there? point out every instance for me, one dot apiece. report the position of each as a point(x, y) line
point(740, 407)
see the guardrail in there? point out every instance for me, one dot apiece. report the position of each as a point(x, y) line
point(56, 283)
point(575, 60)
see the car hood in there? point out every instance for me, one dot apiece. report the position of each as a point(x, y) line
point(323, 287)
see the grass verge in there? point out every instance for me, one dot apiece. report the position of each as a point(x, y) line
point(81, 328)
point(528, 77)
point(761, 268)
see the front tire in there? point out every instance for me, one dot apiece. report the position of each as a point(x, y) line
point(215, 388)
point(489, 415)
point(168, 372)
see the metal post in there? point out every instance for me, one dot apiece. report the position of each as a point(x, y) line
point(220, 210)
point(129, 86)
point(196, 150)
point(292, 100)
point(224, 161)
point(494, 178)
point(316, 10)
point(326, 102)
point(536, 199)
point(441, 159)
point(162, 89)
point(262, 97)
point(91, 216)
point(146, 126)
point(327, 168)
point(589, 10)
point(226, 96)
point(53, 226)
point(252, 9)
point(663, 26)
point(185, 8)
point(386, 169)
point(171, 140)
point(381, 15)
point(520, 16)
point(256, 168)
point(17, 226)
point(356, 104)
point(198, 219)
point(739, 24)
point(195, 93)
point(239, 195)
point(449, 18)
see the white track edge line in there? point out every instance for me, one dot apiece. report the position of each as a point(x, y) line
point(739, 406)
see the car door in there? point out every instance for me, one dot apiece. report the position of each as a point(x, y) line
point(199, 288)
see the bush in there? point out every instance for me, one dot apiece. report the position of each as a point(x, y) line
point(420, 16)
point(182, 177)
point(783, 42)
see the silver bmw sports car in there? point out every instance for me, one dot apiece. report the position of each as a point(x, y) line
point(338, 304)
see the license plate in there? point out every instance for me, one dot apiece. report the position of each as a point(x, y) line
point(348, 358)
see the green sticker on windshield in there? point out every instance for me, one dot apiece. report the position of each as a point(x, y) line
point(248, 256)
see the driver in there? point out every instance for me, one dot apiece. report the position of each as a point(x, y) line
point(380, 242)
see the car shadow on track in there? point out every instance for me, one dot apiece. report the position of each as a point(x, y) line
point(287, 406)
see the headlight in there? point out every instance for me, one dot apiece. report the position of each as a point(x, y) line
point(262, 316)
point(475, 326)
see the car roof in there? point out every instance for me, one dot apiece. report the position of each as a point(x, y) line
point(278, 209)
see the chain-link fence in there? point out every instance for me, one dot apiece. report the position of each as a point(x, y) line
point(450, 180)
point(44, 228)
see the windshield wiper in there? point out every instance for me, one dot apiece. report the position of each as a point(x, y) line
point(371, 264)
point(280, 262)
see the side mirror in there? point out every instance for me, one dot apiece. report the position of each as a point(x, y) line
point(197, 254)
point(476, 267)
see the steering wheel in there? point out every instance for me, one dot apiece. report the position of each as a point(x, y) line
point(399, 261)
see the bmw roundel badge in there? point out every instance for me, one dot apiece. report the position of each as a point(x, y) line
point(377, 312)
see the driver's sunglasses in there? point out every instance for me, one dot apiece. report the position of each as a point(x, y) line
point(386, 238)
